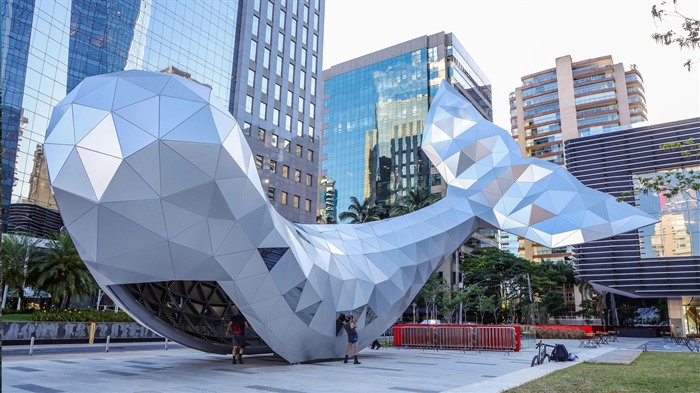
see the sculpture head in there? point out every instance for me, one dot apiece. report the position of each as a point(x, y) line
point(108, 144)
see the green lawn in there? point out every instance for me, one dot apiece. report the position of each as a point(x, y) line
point(662, 372)
point(16, 317)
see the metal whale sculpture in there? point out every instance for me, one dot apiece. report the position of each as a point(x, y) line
point(160, 192)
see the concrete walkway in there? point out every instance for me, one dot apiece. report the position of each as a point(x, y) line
point(186, 370)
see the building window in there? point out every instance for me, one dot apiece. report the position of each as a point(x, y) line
point(259, 161)
point(302, 80)
point(311, 132)
point(306, 13)
point(249, 104)
point(312, 110)
point(278, 92)
point(268, 34)
point(285, 171)
point(307, 205)
point(270, 10)
point(283, 16)
point(298, 151)
point(261, 134)
point(314, 59)
point(314, 43)
point(287, 145)
point(288, 123)
point(253, 50)
point(251, 78)
point(271, 193)
point(310, 155)
point(294, 27)
point(301, 104)
point(300, 128)
point(313, 86)
point(273, 140)
point(309, 179)
point(278, 66)
point(290, 99)
point(292, 49)
point(255, 25)
point(266, 58)
point(280, 42)
point(246, 128)
point(297, 176)
point(303, 57)
point(290, 74)
point(273, 166)
point(304, 35)
point(283, 198)
point(296, 201)
point(263, 110)
point(263, 85)
point(316, 22)
point(432, 54)
point(275, 116)
point(256, 5)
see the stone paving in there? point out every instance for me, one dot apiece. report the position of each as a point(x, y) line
point(184, 370)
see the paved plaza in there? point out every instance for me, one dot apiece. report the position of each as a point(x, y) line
point(150, 368)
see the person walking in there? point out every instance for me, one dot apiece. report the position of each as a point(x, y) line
point(236, 327)
point(353, 338)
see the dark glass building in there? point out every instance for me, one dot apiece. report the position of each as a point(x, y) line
point(662, 260)
point(262, 58)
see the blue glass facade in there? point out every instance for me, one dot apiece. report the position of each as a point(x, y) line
point(53, 45)
point(374, 112)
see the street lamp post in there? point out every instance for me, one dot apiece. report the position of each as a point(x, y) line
point(414, 311)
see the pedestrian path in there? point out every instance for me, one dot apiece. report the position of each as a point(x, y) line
point(184, 370)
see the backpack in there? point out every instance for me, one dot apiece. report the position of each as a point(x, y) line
point(237, 330)
point(559, 353)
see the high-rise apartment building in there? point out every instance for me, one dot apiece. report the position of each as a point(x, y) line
point(374, 111)
point(572, 99)
point(262, 58)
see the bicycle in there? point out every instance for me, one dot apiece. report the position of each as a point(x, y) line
point(542, 354)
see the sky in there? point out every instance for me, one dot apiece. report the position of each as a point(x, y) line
point(509, 39)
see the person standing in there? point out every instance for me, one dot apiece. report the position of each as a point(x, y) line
point(236, 327)
point(353, 338)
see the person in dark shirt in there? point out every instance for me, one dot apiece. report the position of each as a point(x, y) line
point(353, 338)
point(236, 327)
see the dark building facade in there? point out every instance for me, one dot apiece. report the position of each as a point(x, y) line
point(662, 260)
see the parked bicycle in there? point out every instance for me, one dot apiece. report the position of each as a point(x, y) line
point(542, 354)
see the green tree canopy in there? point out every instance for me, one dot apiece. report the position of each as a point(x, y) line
point(688, 37)
point(17, 252)
point(361, 212)
point(416, 198)
point(61, 272)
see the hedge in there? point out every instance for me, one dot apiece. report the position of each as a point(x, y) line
point(81, 315)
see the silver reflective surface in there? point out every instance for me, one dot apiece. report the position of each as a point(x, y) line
point(155, 183)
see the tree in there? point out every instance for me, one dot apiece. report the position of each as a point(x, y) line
point(416, 198)
point(673, 182)
point(61, 272)
point(688, 38)
point(432, 293)
point(17, 252)
point(554, 304)
point(361, 212)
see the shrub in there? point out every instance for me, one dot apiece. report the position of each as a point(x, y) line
point(81, 315)
point(563, 334)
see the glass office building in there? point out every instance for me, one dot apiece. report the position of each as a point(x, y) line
point(262, 58)
point(374, 111)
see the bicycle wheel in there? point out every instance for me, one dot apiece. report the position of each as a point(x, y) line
point(547, 358)
point(535, 361)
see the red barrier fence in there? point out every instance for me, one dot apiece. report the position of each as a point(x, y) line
point(463, 337)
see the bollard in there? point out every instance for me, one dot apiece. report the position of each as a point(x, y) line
point(31, 346)
point(107, 345)
point(91, 340)
point(166, 344)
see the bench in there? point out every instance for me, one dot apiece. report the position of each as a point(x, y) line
point(590, 341)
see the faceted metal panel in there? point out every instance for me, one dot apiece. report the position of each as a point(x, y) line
point(187, 205)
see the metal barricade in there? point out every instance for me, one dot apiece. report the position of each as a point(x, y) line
point(465, 338)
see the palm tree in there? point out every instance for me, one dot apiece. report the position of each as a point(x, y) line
point(416, 198)
point(61, 272)
point(17, 252)
point(361, 212)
